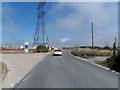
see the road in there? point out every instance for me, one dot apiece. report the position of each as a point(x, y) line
point(68, 72)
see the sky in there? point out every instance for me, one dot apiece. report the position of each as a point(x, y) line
point(67, 23)
point(0, 23)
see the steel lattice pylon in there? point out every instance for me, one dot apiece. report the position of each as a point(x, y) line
point(40, 36)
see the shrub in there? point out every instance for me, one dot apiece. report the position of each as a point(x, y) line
point(81, 53)
point(41, 48)
point(106, 48)
point(116, 65)
point(113, 64)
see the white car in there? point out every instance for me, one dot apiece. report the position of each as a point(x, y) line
point(57, 53)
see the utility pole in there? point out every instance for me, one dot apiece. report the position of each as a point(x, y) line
point(58, 45)
point(92, 41)
point(115, 40)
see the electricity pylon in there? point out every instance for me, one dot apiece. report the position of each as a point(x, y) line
point(40, 36)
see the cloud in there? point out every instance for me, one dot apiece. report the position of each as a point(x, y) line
point(77, 21)
point(8, 15)
point(66, 39)
point(0, 24)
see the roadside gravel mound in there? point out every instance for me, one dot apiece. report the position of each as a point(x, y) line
point(3, 70)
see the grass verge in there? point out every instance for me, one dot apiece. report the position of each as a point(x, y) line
point(113, 64)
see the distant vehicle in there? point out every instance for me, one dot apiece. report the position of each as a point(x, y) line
point(57, 53)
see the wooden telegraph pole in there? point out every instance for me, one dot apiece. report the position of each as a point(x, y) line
point(92, 41)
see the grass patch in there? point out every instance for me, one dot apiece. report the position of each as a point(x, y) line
point(113, 64)
point(102, 63)
point(110, 62)
point(107, 63)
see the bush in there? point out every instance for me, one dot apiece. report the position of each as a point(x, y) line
point(41, 48)
point(113, 64)
point(110, 62)
point(116, 65)
point(106, 48)
point(81, 53)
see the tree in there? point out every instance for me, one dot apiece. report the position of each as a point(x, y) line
point(107, 48)
point(41, 48)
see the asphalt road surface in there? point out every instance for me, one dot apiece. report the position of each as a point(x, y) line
point(68, 72)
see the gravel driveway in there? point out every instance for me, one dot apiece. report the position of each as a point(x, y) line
point(19, 65)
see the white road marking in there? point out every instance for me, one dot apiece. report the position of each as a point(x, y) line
point(12, 85)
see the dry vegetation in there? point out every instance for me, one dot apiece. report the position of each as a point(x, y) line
point(12, 51)
point(113, 63)
point(88, 52)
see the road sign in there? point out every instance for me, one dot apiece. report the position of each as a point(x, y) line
point(26, 47)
